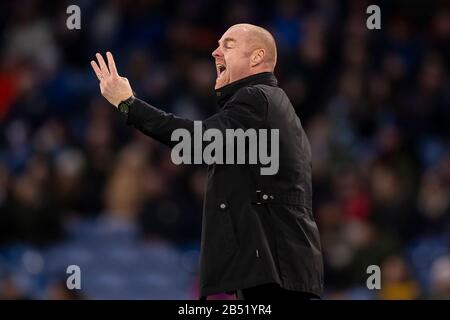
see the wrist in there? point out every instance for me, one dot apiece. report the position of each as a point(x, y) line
point(124, 106)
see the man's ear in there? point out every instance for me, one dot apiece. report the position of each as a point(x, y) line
point(257, 57)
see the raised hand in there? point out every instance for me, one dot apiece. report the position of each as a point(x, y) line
point(112, 86)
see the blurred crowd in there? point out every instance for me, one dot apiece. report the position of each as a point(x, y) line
point(77, 186)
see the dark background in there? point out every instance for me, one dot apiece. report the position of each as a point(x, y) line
point(77, 186)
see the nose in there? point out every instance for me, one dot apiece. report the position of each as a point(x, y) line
point(217, 53)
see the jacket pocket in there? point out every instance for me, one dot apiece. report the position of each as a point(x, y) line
point(226, 227)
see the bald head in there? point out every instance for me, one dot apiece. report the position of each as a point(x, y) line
point(259, 38)
point(244, 49)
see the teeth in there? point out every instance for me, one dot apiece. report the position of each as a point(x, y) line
point(221, 67)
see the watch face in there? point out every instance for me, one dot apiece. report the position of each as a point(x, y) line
point(123, 107)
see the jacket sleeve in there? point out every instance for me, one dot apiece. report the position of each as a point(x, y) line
point(247, 109)
point(156, 123)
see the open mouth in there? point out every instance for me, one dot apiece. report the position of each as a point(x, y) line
point(220, 69)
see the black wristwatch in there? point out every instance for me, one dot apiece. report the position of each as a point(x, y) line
point(124, 106)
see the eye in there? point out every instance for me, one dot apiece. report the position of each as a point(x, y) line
point(228, 45)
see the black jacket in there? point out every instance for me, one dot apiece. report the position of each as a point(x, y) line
point(256, 229)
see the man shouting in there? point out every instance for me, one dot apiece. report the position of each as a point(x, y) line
point(259, 237)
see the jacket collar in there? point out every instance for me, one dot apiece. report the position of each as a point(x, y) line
point(225, 93)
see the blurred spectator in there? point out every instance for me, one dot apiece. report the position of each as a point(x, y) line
point(440, 279)
point(397, 281)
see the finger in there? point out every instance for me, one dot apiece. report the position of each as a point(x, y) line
point(111, 64)
point(103, 67)
point(97, 70)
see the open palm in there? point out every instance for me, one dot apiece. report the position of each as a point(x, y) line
point(112, 86)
